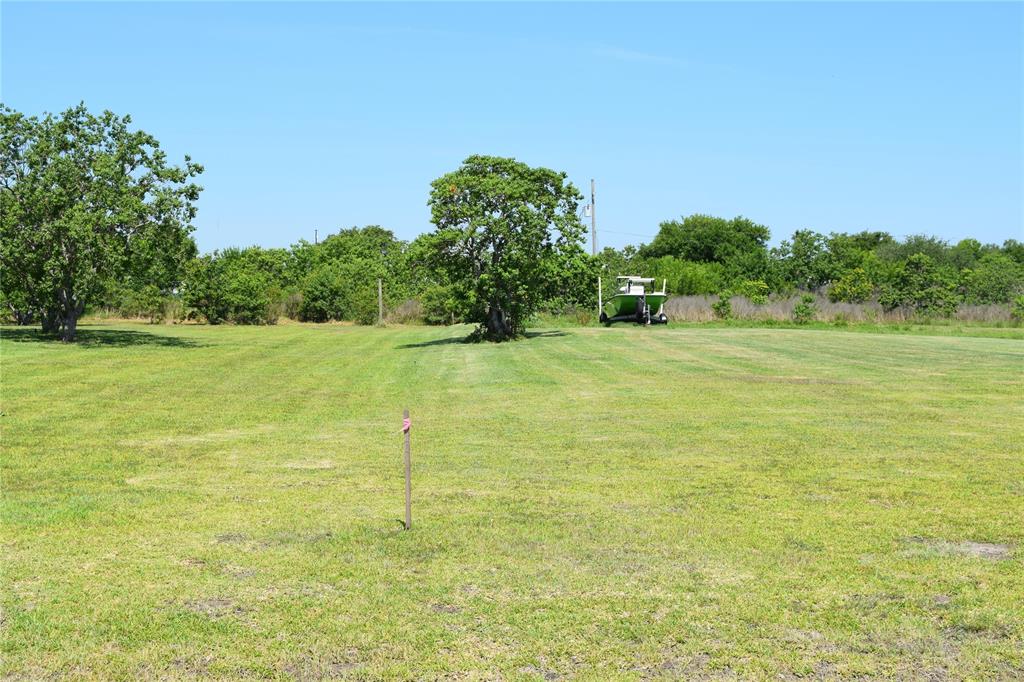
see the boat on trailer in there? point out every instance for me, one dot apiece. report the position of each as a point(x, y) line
point(636, 301)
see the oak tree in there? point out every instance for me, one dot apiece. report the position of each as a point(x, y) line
point(87, 202)
point(505, 234)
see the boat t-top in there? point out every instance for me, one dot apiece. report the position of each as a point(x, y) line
point(637, 301)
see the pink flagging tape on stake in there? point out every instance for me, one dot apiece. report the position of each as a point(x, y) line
point(406, 424)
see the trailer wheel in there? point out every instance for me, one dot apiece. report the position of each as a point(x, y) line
point(646, 318)
point(663, 318)
point(643, 313)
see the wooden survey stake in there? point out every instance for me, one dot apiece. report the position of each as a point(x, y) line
point(406, 427)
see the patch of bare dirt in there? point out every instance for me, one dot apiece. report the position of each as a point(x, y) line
point(214, 607)
point(197, 666)
point(238, 572)
point(825, 670)
point(986, 550)
point(680, 667)
point(982, 550)
point(540, 672)
point(445, 608)
point(810, 640)
point(312, 668)
point(696, 665)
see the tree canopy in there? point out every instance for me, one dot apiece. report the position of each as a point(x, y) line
point(707, 239)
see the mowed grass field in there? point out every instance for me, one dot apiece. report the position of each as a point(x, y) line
point(624, 503)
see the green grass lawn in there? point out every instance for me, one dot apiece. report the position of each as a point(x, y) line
point(623, 503)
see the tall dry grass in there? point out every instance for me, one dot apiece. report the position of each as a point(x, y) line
point(408, 312)
point(698, 309)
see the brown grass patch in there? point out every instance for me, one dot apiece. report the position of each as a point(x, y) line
point(938, 547)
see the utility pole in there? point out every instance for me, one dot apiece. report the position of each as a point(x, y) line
point(593, 221)
point(316, 237)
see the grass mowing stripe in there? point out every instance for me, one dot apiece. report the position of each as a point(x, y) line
point(605, 503)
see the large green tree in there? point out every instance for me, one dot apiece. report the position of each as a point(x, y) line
point(738, 244)
point(505, 234)
point(87, 202)
point(804, 260)
point(995, 278)
point(921, 286)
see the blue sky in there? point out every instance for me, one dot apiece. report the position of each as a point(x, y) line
point(900, 117)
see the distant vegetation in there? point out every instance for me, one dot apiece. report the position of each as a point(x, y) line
point(95, 219)
point(870, 276)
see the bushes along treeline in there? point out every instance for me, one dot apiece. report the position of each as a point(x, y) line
point(699, 256)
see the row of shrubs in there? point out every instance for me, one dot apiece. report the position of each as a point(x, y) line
point(286, 305)
point(862, 276)
point(332, 294)
point(333, 280)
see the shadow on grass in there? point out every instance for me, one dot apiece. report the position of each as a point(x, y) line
point(94, 338)
point(540, 335)
point(470, 340)
point(435, 342)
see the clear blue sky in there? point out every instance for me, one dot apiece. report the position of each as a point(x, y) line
point(901, 117)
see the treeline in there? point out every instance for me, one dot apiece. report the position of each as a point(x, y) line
point(333, 280)
point(698, 255)
point(94, 217)
point(920, 274)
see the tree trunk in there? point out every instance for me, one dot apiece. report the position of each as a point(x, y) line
point(50, 319)
point(69, 325)
point(21, 316)
point(499, 327)
point(69, 313)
